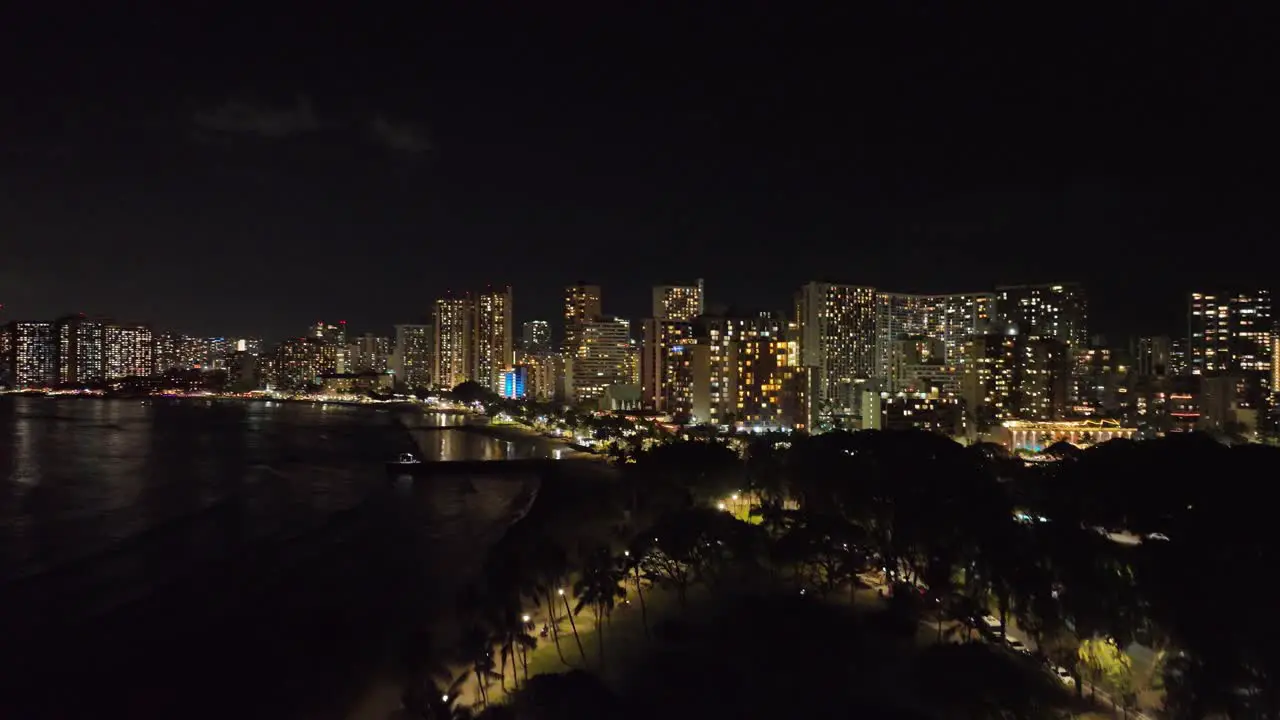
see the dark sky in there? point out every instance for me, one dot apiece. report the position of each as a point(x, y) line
point(225, 169)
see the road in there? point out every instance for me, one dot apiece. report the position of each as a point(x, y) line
point(875, 582)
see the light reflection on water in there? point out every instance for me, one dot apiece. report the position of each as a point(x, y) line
point(263, 527)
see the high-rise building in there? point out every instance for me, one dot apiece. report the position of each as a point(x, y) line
point(127, 351)
point(411, 356)
point(949, 318)
point(369, 353)
point(1275, 365)
point(1057, 310)
point(194, 353)
point(493, 347)
point(452, 353)
point(581, 304)
point(919, 365)
point(1152, 356)
point(514, 383)
point(31, 354)
point(1209, 328)
point(671, 304)
point(168, 353)
point(602, 358)
point(535, 336)
point(679, 302)
point(774, 391)
point(1229, 332)
point(665, 365)
point(81, 349)
point(299, 363)
point(837, 331)
point(540, 373)
point(333, 334)
point(1011, 375)
point(722, 360)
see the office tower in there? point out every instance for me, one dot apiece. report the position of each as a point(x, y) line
point(836, 326)
point(80, 350)
point(127, 351)
point(411, 356)
point(1229, 332)
point(581, 304)
point(451, 352)
point(535, 336)
point(601, 358)
point(299, 363)
point(369, 353)
point(1058, 311)
point(31, 354)
point(679, 302)
point(1152, 356)
point(493, 347)
point(950, 318)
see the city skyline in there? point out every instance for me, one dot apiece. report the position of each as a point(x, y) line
point(894, 147)
point(1174, 325)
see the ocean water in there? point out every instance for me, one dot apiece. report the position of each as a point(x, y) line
point(220, 558)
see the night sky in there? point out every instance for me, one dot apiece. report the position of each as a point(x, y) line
point(226, 171)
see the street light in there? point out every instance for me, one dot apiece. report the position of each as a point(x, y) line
point(559, 591)
point(525, 617)
point(444, 698)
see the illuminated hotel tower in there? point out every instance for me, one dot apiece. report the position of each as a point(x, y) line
point(452, 353)
point(127, 351)
point(80, 350)
point(493, 346)
point(30, 354)
point(837, 330)
point(581, 304)
point(679, 302)
point(674, 308)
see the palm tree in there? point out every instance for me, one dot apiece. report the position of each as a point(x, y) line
point(630, 563)
point(572, 625)
point(477, 648)
point(549, 564)
point(600, 587)
point(431, 699)
point(513, 640)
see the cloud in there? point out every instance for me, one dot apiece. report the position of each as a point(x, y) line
point(237, 117)
point(400, 136)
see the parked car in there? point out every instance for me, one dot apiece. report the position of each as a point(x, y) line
point(1017, 646)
